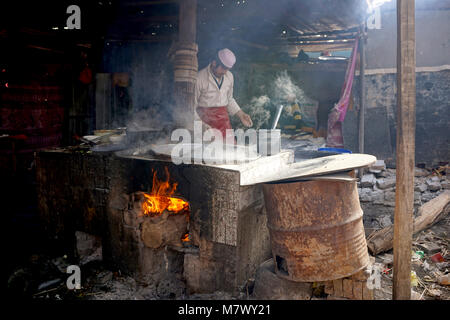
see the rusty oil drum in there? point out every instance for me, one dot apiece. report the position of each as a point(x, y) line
point(316, 229)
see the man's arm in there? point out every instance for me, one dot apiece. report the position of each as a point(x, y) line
point(234, 109)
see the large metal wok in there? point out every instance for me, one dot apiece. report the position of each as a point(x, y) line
point(143, 136)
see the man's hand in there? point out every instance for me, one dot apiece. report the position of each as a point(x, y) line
point(245, 118)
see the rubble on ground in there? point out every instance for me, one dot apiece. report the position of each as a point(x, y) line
point(376, 190)
point(429, 278)
point(45, 277)
point(430, 248)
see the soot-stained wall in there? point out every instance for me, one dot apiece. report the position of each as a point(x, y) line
point(432, 87)
point(432, 117)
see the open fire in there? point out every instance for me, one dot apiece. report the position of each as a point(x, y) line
point(161, 198)
point(159, 204)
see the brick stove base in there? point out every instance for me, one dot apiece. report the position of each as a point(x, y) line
point(93, 193)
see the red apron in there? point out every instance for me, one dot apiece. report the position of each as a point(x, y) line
point(215, 117)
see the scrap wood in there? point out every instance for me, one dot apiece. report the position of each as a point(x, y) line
point(428, 214)
point(439, 170)
point(47, 291)
point(421, 296)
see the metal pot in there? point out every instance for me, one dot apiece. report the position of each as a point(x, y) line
point(147, 135)
point(269, 141)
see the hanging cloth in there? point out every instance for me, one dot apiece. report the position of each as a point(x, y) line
point(337, 114)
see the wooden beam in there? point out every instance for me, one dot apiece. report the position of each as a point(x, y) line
point(321, 46)
point(406, 121)
point(249, 44)
point(318, 46)
point(362, 101)
point(320, 38)
point(186, 65)
point(187, 29)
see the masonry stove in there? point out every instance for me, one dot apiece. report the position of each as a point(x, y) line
point(216, 242)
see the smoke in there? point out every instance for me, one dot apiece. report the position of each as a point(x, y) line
point(257, 109)
point(281, 90)
point(150, 118)
point(284, 90)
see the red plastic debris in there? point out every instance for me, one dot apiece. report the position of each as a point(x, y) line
point(437, 257)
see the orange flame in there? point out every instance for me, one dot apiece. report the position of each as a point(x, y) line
point(186, 238)
point(160, 198)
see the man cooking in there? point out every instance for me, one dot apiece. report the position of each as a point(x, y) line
point(214, 94)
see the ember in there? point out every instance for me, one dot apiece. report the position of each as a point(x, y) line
point(160, 198)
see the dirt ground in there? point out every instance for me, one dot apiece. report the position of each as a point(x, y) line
point(427, 272)
point(45, 278)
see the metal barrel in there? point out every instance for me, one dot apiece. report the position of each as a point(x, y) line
point(316, 229)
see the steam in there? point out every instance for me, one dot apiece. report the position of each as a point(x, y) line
point(282, 90)
point(258, 111)
point(151, 118)
point(285, 90)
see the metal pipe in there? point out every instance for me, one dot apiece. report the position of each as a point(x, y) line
point(277, 117)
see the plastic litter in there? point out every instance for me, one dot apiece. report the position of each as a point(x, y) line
point(417, 255)
point(437, 257)
point(338, 150)
point(414, 279)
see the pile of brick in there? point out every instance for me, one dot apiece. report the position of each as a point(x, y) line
point(360, 286)
point(376, 191)
point(363, 285)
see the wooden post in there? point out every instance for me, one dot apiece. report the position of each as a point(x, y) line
point(187, 30)
point(362, 102)
point(406, 121)
point(186, 65)
point(103, 101)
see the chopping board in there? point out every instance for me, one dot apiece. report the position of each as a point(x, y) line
point(310, 168)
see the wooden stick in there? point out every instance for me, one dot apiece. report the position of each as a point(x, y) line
point(362, 100)
point(428, 214)
point(406, 122)
point(363, 96)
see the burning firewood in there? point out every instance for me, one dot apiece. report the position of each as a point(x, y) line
point(163, 230)
point(166, 216)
